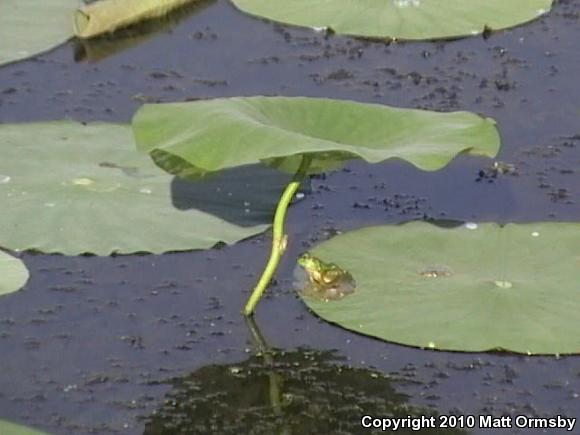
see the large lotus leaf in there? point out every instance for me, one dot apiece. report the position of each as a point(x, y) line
point(8, 428)
point(217, 134)
point(70, 188)
point(472, 288)
point(400, 19)
point(13, 275)
point(29, 27)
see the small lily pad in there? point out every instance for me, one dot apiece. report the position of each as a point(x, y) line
point(213, 135)
point(400, 19)
point(30, 27)
point(13, 275)
point(71, 188)
point(8, 428)
point(477, 287)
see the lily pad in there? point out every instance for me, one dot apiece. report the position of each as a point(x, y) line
point(8, 428)
point(471, 288)
point(13, 276)
point(217, 134)
point(30, 27)
point(399, 19)
point(73, 188)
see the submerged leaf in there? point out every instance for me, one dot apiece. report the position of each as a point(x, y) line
point(400, 19)
point(472, 288)
point(29, 27)
point(70, 188)
point(13, 276)
point(212, 135)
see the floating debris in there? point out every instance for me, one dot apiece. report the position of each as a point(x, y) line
point(436, 272)
point(495, 171)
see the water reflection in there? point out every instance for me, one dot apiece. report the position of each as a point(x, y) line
point(276, 392)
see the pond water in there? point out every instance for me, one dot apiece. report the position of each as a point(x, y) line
point(106, 345)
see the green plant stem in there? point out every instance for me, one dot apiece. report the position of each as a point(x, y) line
point(278, 236)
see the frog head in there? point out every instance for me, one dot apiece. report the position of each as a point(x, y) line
point(309, 262)
point(313, 266)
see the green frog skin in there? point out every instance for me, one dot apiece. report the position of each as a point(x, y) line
point(326, 281)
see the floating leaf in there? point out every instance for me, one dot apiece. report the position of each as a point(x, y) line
point(471, 288)
point(97, 49)
point(8, 428)
point(107, 16)
point(400, 19)
point(72, 189)
point(29, 27)
point(13, 276)
point(212, 135)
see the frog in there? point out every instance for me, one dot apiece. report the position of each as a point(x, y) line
point(326, 281)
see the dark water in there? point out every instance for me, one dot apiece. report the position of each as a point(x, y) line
point(89, 344)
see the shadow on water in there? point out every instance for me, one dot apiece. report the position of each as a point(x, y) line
point(276, 392)
point(244, 196)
